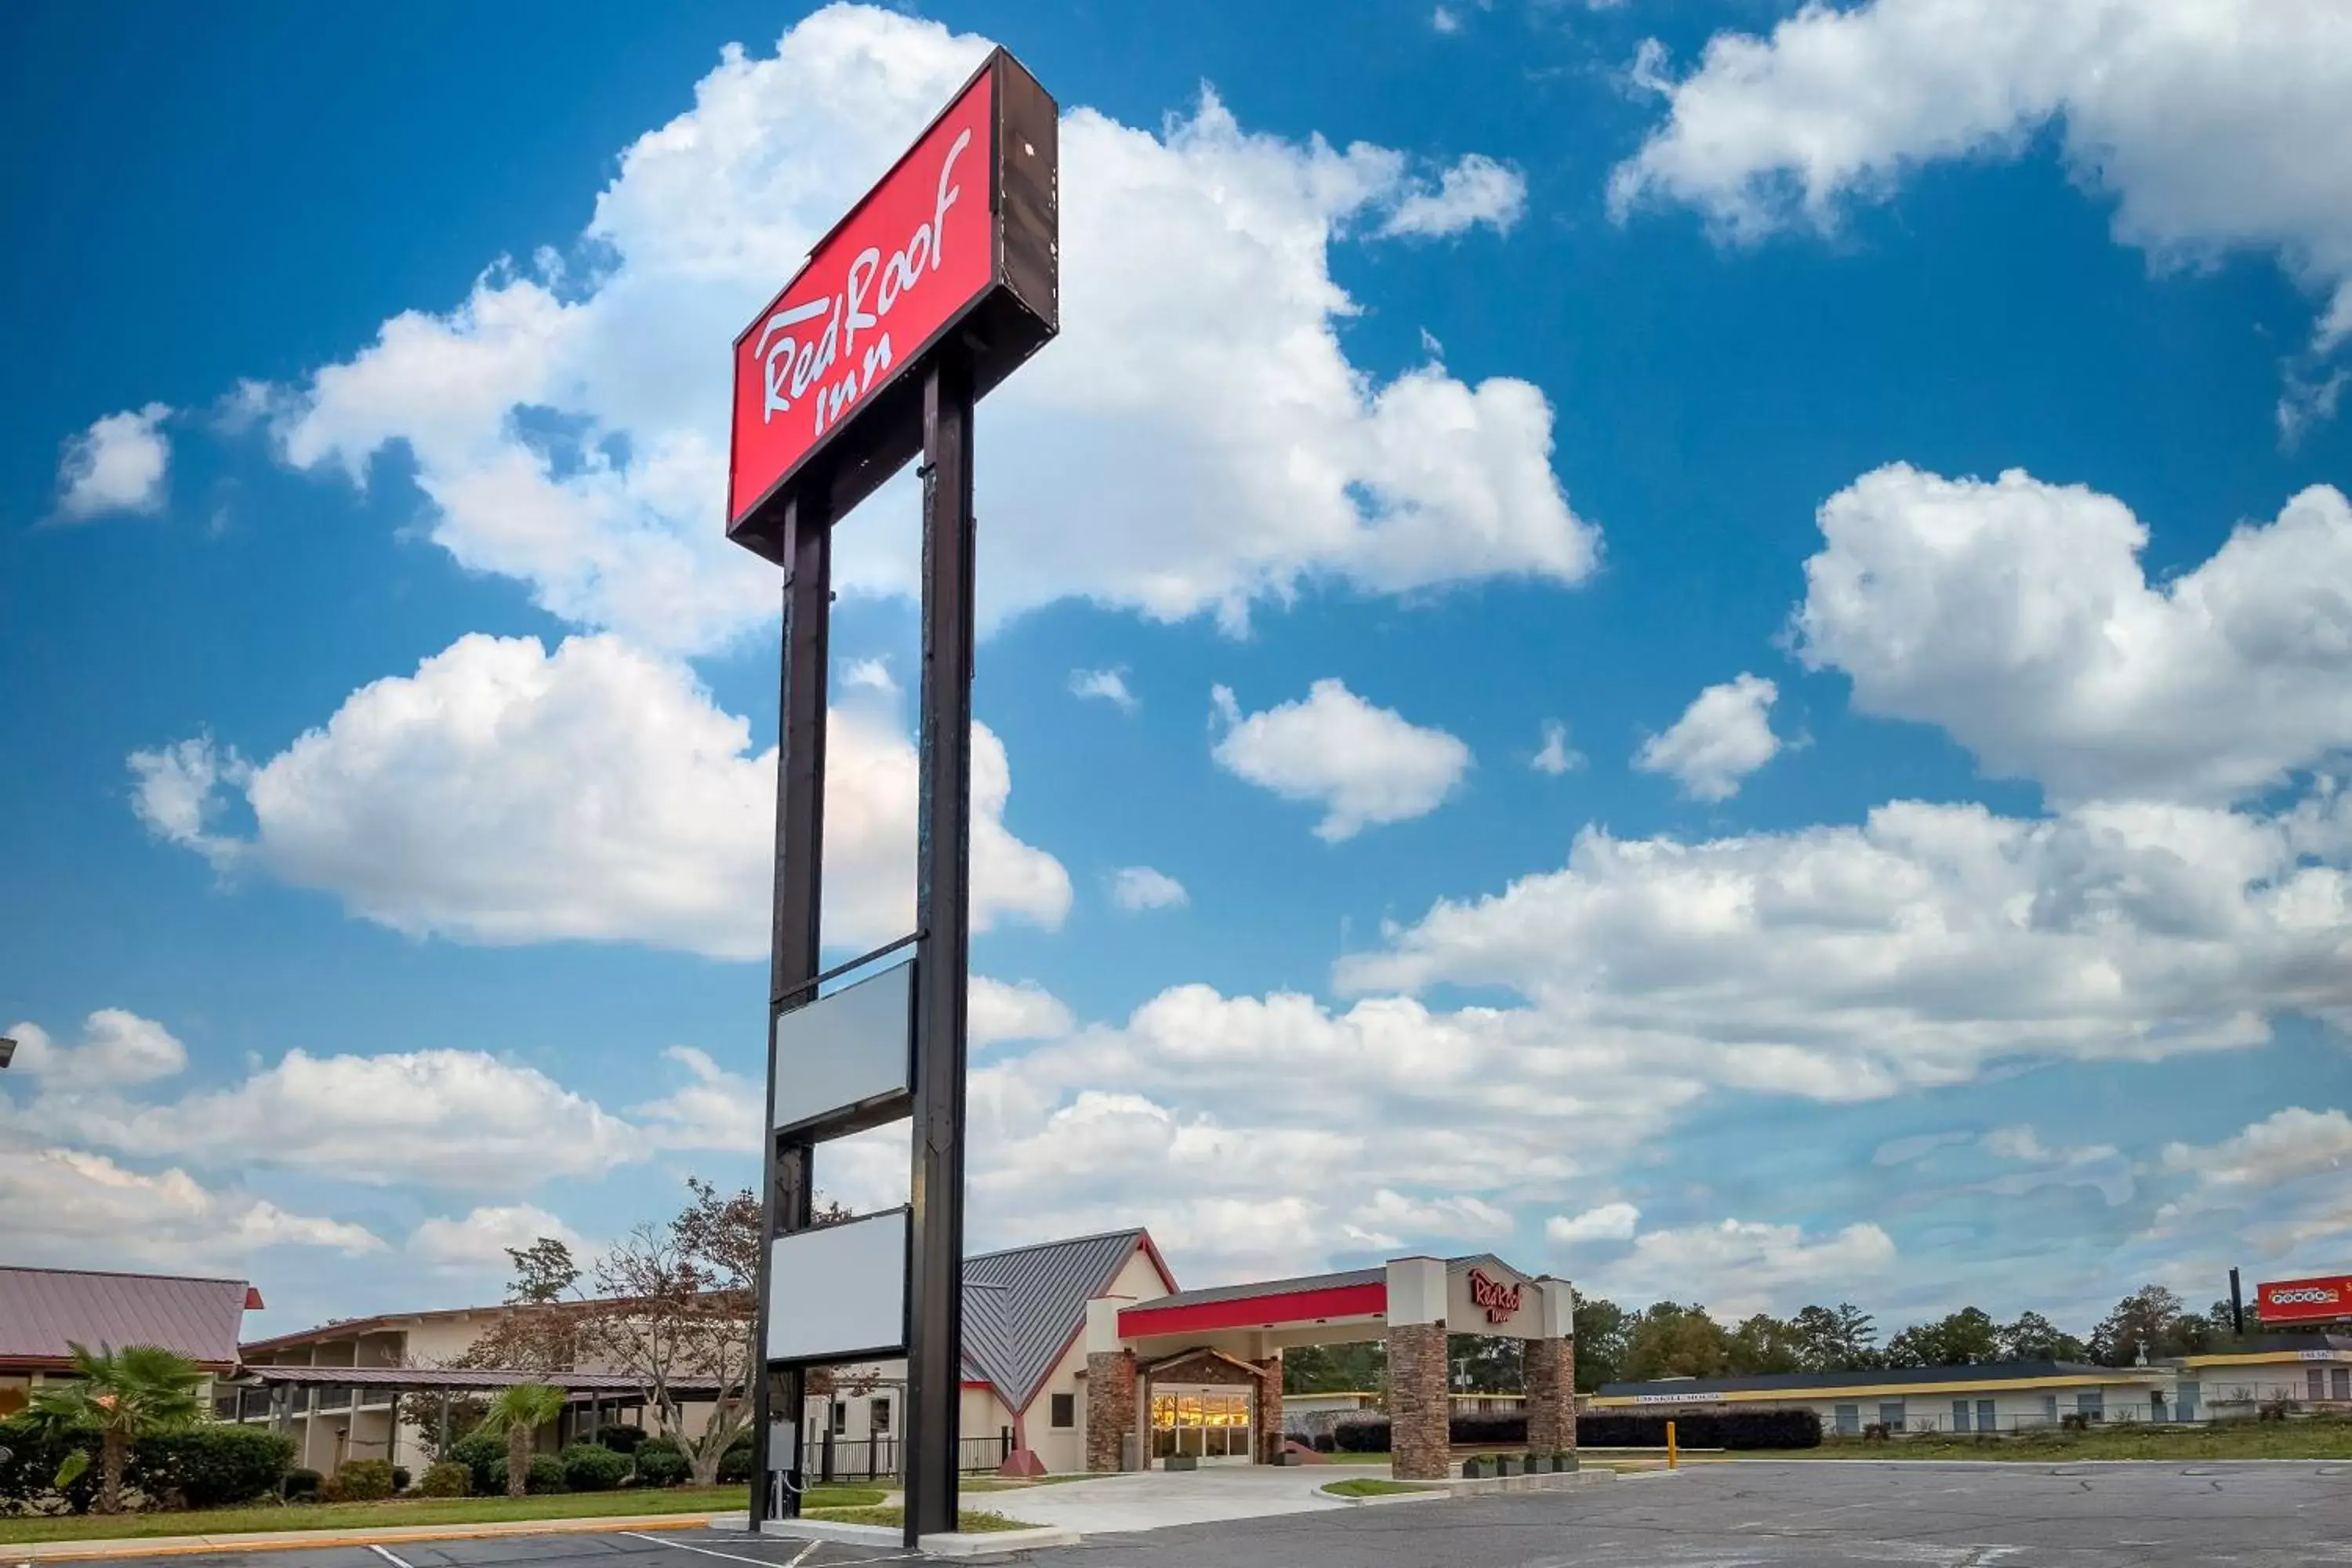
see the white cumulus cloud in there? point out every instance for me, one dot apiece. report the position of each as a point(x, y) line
point(1142, 888)
point(1476, 191)
point(2213, 125)
point(1365, 765)
point(1609, 1222)
point(504, 793)
point(573, 436)
point(1108, 685)
point(1556, 756)
point(2016, 615)
point(477, 1242)
point(69, 1208)
point(117, 1050)
point(1722, 737)
point(119, 464)
point(1740, 1267)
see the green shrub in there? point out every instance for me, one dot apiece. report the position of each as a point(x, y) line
point(484, 1455)
point(400, 1479)
point(447, 1478)
point(659, 1467)
point(546, 1475)
point(592, 1467)
point(302, 1486)
point(211, 1465)
point(36, 1450)
point(358, 1481)
point(621, 1439)
point(735, 1464)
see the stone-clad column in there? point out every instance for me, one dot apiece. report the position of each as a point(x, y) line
point(1269, 1409)
point(1110, 1407)
point(1110, 1387)
point(1420, 1448)
point(1551, 1369)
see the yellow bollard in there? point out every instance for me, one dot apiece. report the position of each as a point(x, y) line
point(1672, 1459)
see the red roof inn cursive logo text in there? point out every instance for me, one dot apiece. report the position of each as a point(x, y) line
point(1496, 1299)
point(901, 267)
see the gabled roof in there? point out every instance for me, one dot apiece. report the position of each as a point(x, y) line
point(1023, 1308)
point(45, 1312)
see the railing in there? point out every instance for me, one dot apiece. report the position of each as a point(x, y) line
point(884, 1458)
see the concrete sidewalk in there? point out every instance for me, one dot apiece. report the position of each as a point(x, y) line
point(294, 1540)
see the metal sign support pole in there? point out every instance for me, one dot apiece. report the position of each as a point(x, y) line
point(943, 862)
point(788, 1190)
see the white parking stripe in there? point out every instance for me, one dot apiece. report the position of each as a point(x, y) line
point(705, 1550)
point(766, 1562)
point(388, 1556)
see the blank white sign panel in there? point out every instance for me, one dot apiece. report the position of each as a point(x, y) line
point(839, 1290)
point(852, 1049)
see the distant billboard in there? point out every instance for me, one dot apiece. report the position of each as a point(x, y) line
point(2304, 1300)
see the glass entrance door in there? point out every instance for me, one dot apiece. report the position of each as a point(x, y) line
point(1207, 1423)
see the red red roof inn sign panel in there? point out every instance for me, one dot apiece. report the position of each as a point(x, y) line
point(2320, 1300)
point(958, 237)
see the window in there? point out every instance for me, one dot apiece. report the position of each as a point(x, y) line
point(877, 1419)
point(2316, 1382)
point(1890, 1415)
point(840, 1417)
point(2050, 1408)
point(1849, 1420)
point(1959, 1415)
point(1065, 1410)
point(2341, 1381)
point(1988, 1415)
point(2091, 1405)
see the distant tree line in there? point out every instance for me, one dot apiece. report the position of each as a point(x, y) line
point(1670, 1339)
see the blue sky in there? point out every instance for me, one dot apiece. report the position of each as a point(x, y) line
point(1730, 635)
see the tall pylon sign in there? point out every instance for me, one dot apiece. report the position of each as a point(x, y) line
point(937, 284)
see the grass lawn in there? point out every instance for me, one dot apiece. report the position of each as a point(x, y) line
point(968, 1521)
point(1367, 1486)
point(402, 1513)
point(2310, 1439)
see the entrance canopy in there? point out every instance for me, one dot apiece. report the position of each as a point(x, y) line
point(1477, 1294)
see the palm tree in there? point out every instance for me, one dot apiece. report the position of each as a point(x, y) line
point(126, 1394)
point(518, 1411)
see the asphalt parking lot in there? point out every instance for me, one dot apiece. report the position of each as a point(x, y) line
point(1744, 1515)
point(1764, 1515)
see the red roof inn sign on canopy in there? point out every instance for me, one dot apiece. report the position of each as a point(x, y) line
point(937, 284)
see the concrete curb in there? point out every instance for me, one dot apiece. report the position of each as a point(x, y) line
point(956, 1543)
point(1555, 1481)
point(1431, 1493)
point(294, 1540)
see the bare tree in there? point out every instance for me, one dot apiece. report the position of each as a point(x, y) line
point(678, 1301)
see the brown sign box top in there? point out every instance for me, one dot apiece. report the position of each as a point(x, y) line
point(1018, 314)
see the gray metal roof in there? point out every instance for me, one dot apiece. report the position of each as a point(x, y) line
point(43, 1311)
point(1022, 1308)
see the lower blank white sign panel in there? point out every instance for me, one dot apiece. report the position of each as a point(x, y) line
point(839, 1292)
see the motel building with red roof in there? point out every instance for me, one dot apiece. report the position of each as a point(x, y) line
point(44, 1312)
